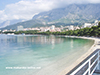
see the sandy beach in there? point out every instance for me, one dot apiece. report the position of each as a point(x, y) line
point(95, 46)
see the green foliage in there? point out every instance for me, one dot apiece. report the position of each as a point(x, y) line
point(27, 32)
point(93, 31)
point(8, 32)
point(99, 24)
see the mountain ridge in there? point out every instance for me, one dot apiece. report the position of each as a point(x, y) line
point(73, 11)
point(76, 14)
point(10, 22)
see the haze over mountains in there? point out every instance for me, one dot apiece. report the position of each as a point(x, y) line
point(76, 14)
point(10, 22)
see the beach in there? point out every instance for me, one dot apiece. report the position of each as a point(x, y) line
point(95, 46)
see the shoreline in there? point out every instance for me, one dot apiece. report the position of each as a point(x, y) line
point(95, 46)
point(80, 59)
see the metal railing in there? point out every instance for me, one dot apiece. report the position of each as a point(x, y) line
point(88, 65)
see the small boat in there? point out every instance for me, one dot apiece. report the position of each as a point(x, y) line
point(23, 33)
point(10, 34)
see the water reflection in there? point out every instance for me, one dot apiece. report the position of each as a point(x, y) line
point(9, 43)
point(71, 43)
point(39, 39)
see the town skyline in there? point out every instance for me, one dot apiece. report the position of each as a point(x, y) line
point(53, 28)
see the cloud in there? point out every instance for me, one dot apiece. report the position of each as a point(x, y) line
point(26, 9)
point(3, 16)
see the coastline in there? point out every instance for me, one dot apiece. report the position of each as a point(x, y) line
point(70, 67)
point(95, 46)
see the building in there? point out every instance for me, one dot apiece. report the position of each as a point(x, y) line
point(20, 28)
point(71, 27)
point(77, 27)
point(52, 27)
point(62, 27)
point(5, 30)
point(96, 22)
point(87, 25)
point(58, 29)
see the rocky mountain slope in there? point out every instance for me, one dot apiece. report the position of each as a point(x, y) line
point(76, 14)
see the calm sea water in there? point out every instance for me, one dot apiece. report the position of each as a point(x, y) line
point(39, 55)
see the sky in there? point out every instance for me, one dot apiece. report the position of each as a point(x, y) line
point(26, 9)
point(3, 3)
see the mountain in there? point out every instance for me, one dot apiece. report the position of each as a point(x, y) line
point(76, 14)
point(9, 22)
point(26, 24)
point(4, 24)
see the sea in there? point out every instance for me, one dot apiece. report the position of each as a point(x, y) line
point(39, 54)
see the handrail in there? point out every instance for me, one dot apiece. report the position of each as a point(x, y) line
point(88, 65)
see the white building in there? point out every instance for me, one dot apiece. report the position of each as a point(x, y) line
point(77, 27)
point(44, 29)
point(96, 22)
point(20, 28)
point(52, 27)
point(62, 27)
point(58, 29)
point(87, 25)
point(71, 27)
point(5, 30)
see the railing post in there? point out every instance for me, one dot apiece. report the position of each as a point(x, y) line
point(89, 66)
point(98, 68)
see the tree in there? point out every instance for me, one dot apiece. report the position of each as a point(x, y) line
point(99, 24)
